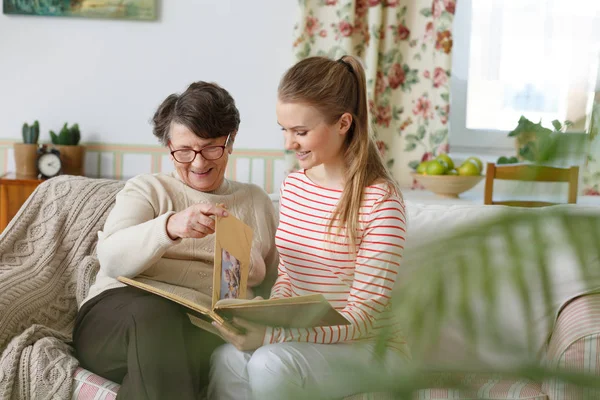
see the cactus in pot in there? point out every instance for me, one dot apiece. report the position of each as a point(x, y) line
point(26, 153)
point(31, 134)
point(71, 153)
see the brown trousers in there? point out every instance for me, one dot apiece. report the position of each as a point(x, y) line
point(145, 343)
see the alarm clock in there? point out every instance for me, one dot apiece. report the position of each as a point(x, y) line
point(48, 162)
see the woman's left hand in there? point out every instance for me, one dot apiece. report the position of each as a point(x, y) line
point(249, 341)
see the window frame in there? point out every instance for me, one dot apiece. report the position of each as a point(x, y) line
point(489, 143)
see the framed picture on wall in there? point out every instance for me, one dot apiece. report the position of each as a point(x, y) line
point(118, 9)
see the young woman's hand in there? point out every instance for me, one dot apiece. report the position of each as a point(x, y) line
point(249, 341)
point(196, 221)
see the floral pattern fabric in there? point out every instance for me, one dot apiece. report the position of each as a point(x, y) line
point(406, 48)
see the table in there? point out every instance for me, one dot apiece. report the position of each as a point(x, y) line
point(14, 190)
point(475, 197)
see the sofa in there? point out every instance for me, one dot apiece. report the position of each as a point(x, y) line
point(47, 264)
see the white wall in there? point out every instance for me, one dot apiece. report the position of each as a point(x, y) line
point(110, 75)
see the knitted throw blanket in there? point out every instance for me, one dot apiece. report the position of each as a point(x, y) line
point(46, 268)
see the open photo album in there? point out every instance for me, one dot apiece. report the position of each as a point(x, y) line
point(233, 242)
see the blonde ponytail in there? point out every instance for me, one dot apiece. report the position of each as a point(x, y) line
point(335, 88)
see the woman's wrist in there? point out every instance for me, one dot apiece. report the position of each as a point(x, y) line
point(169, 228)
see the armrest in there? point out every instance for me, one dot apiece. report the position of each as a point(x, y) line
point(578, 319)
point(574, 344)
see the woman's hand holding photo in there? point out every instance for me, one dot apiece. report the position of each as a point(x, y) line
point(196, 221)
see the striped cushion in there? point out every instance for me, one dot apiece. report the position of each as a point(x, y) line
point(575, 345)
point(483, 388)
point(89, 386)
point(486, 389)
point(371, 396)
point(579, 319)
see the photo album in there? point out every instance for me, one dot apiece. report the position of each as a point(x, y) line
point(233, 242)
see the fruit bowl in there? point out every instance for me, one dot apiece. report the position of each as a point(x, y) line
point(449, 186)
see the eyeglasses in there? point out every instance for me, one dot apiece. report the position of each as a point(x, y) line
point(209, 153)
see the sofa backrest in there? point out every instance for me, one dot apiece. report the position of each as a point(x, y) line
point(427, 227)
point(425, 218)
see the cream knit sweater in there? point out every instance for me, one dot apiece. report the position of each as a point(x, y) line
point(134, 241)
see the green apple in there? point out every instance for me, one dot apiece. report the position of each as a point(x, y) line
point(476, 161)
point(422, 168)
point(468, 169)
point(503, 160)
point(446, 159)
point(452, 172)
point(435, 168)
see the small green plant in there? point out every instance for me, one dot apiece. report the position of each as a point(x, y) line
point(68, 136)
point(535, 141)
point(31, 134)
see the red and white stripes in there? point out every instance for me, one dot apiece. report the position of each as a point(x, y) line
point(313, 260)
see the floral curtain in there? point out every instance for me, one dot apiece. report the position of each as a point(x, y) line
point(406, 47)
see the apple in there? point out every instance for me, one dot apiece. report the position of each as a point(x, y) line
point(422, 168)
point(503, 160)
point(445, 158)
point(476, 161)
point(435, 168)
point(468, 169)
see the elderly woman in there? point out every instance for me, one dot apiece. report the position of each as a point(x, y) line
point(161, 228)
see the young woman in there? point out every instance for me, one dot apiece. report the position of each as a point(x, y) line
point(341, 234)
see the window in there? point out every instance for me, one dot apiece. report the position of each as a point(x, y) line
point(537, 58)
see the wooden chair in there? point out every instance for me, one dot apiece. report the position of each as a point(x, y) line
point(531, 173)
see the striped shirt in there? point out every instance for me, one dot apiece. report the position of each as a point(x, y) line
point(313, 260)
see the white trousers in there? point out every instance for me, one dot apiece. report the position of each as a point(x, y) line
point(301, 371)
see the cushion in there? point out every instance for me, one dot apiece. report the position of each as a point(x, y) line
point(483, 389)
point(575, 345)
point(486, 389)
point(89, 386)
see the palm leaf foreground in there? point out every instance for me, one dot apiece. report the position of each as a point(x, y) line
point(483, 298)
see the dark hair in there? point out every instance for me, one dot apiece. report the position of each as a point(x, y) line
point(205, 108)
point(335, 88)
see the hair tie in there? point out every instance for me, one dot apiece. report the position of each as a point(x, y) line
point(346, 64)
point(354, 77)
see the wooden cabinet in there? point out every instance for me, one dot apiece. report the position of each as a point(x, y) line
point(13, 193)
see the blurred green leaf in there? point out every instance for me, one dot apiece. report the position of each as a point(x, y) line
point(410, 146)
point(557, 125)
point(414, 164)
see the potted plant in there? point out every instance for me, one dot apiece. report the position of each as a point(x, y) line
point(532, 140)
point(71, 153)
point(26, 152)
